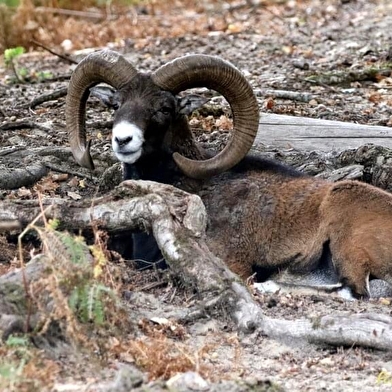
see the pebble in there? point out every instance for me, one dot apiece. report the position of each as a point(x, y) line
point(301, 64)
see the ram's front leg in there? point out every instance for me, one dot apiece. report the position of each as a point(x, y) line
point(145, 251)
point(352, 265)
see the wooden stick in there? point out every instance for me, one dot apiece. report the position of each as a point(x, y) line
point(65, 58)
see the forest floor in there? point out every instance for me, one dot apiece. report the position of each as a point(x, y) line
point(336, 54)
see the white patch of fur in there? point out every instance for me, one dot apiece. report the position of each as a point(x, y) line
point(131, 151)
point(346, 294)
point(368, 283)
point(267, 287)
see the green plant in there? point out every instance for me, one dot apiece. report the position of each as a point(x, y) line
point(17, 341)
point(22, 74)
point(10, 3)
point(74, 280)
point(11, 54)
point(43, 75)
point(11, 371)
point(10, 57)
point(88, 302)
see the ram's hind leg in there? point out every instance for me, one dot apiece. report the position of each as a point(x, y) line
point(352, 265)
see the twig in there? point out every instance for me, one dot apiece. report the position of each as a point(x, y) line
point(61, 11)
point(9, 126)
point(61, 169)
point(10, 225)
point(152, 285)
point(284, 94)
point(65, 58)
point(62, 92)
point(10, 150)
point(22, 263)
point(327, 86)
point(250, 4)
point(173, 295)
point(58, 78)
point(15, 71)
point(100, 124)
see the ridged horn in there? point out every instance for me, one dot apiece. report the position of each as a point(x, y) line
point(102, 66)
point(214, 73)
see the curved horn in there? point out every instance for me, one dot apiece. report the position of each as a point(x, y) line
point(209, 71)
point(102, 66)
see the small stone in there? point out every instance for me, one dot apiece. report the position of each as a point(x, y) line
point(327, 361)
point(301, 64)
point(188, 381)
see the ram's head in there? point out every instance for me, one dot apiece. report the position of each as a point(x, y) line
point(147, 107)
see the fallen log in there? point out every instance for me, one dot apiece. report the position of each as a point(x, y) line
point(310, 134)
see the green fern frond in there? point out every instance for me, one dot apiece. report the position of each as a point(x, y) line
point(88, 302)
point(74, 299)
point(76, 248)
point(97, 313)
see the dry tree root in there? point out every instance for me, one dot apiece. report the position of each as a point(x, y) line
point(178, 221)
point(25, 176)
point(24, 124)
point(61, 92)
point(38, 161)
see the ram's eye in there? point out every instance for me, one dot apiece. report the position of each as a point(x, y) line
point(115, 105)
point(165, 111)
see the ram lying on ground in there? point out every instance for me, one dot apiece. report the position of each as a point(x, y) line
point(261, 214)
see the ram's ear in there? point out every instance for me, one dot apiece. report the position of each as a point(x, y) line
point(107, 95)
point(191, 102)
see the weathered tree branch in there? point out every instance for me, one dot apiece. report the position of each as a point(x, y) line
point(367, 329)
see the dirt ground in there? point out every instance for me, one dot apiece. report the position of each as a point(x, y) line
point(339, 54)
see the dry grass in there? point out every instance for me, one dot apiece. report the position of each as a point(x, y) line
point(163, 353)
point(164, 19)
point(25, 368)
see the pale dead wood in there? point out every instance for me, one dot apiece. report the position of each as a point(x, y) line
point(367, 330)
point(308, 134)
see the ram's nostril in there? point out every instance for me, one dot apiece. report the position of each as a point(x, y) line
point(122, 142)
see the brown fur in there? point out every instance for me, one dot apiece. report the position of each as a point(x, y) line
point(292, 218)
